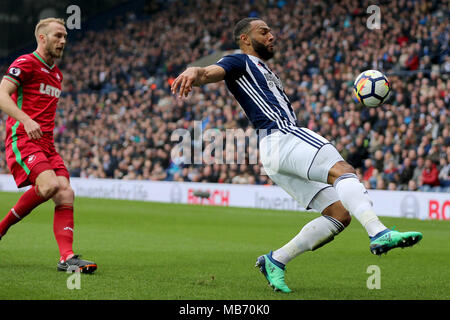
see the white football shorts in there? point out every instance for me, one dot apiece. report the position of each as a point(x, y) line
point(298, 160)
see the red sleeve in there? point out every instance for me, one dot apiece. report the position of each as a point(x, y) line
point(19, 71)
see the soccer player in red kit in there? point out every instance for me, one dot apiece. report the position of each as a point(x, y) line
point(29, 94)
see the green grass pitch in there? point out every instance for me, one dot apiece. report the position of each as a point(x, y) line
point(170, 252)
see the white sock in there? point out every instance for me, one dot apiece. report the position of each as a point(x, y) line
point(356, 200)
point(313, 235)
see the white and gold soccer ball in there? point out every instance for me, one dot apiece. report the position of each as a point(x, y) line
point(371, 88)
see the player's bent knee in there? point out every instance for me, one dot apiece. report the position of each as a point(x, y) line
point(326, 157)
point(340, 168)
point(48, 189)
point(343, 167)
point(65, 194)
point(338, 212)
point(345, 219)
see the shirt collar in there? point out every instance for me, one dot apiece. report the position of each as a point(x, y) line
point(42, 60)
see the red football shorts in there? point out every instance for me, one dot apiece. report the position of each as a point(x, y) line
point(27, 158)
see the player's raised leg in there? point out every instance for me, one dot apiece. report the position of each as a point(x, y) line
point(63, 228)
point(355, 199)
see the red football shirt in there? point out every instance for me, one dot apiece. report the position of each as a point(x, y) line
point(38, 91)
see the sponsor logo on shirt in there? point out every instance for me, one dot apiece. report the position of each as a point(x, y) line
point(273, 80)
point(49, 90)
point(45, 70)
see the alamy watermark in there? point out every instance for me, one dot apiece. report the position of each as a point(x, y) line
point(74, 20)
point(74, 280)
point(229, 146)
point(374, 20)
point(374, 280)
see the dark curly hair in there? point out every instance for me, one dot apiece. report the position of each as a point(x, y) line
point(241, 27)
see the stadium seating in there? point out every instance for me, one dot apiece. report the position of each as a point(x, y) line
point(117, 114)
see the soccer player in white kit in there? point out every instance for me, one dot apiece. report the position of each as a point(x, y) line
point(303, 163)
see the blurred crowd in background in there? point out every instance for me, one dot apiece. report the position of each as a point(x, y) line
point(116, 115)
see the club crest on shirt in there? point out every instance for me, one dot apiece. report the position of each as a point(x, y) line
point(272, 80)
point(14, 71)
point(31, 158)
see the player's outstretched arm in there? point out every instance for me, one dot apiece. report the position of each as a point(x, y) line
point(7, 105)
point(197, 76)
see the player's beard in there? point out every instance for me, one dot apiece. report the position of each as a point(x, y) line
point(54, 52)
point(262, 50)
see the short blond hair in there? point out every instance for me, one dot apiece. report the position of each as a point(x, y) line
point(43, 24)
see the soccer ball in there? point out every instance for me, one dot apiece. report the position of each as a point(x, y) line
point(371, 88)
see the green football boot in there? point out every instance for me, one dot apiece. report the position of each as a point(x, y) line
point(390, 239)
point(273, 271)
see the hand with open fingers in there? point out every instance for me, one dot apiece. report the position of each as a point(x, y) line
point(33, 129)
point(185, 81)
